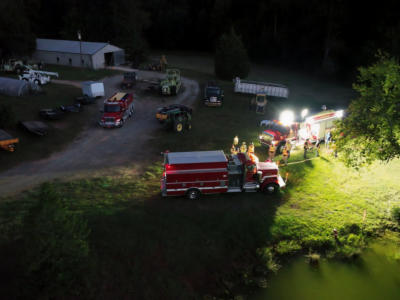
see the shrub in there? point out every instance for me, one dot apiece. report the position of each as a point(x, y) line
point(231, 59)
point(7, 116)
point(396, 214)
point(350, 228)
point(287, 247)
point(55, 246)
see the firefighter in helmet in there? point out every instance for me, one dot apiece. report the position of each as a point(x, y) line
point(233, 150)
point(251, 147)
point(236, 143)
point(243, 148)
point(271, 152)
point(285, 155)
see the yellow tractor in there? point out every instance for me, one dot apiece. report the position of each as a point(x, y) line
point(258, 103)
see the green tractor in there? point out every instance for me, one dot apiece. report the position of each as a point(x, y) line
point(172, 83)
point(176, 116)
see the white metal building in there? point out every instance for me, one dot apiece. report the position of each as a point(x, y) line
point(70, 53)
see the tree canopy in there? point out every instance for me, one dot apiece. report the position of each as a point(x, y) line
point(231, 59)
point(307, 34)
point(371, 130)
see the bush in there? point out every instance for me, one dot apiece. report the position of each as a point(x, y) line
point(396, 214)
point(231, 59)
point(55, 246)
point(7, 116)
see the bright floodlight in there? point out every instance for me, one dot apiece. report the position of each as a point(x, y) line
point(286, 117)
point(339, 114)
point(304, 113)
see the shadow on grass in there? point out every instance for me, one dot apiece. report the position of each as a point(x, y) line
point(169, 248)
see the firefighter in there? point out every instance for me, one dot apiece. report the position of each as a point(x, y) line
point(305, 148)
point(285, 155)
point(317, 148)
point(236, 141)
point(327, 139)
point(288, 146)
point(334, 148)
point(271, 152)
point(251, 147)
point(163, 63)
point(233, 150)
point(243, 148)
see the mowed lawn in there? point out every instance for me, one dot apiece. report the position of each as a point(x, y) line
point(144, 246)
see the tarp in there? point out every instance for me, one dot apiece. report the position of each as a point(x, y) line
point(13, 87)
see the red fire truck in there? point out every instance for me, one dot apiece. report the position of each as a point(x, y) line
point(274, 133)
point(212, 172)
point(117, 109)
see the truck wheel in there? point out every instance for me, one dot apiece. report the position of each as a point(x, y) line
point(193, 194)
point(178, 126)
point(271, 188)
point(37, 82)
point(121, 124)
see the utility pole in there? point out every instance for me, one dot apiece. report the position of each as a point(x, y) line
point(80, 47)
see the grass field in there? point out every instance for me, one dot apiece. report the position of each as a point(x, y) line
point(145, 247)
point(80, 74)
point(61, 133)
point(73, 73)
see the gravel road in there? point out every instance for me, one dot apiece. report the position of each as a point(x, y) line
point(97, 151)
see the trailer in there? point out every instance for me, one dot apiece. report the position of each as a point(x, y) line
point(7, 142)
point(255, 87)
point(315, 127)
point(212, 172)
point(93, 89)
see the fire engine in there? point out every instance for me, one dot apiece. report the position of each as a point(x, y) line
point(315, 127)
point(117, 109)
point(212, 172)
point(275, 133)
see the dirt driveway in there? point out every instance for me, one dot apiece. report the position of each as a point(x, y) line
point(97, 151)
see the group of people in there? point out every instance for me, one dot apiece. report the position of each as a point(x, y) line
point(249, 150)
point(285, 152)
point(235, 149)
point(329, 144)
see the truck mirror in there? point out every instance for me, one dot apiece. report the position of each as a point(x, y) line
point(101, 110)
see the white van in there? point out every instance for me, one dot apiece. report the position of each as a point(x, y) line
point(93, 89)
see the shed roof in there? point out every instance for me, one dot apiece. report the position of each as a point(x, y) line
point(196, 157)
point(68, 46)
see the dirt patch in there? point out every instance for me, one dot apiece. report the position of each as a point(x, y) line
point(99, 151)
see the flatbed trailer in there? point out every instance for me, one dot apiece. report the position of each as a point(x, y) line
point(255, 87)
point(7, 142)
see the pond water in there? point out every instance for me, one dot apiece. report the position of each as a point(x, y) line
point(375, 276)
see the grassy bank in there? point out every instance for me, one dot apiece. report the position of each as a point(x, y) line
point(146, 247)
point(61, 132)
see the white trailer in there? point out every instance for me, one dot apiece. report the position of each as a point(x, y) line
point(254, 87)
point(93, 89)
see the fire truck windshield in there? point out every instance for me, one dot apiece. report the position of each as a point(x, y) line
point(112, 108)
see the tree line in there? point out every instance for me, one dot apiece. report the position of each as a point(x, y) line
point(334, 34)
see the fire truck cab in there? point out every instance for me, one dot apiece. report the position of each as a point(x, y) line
point(212, 172)
point(117, 109)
